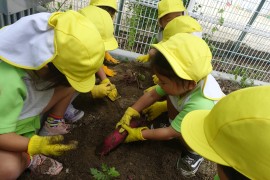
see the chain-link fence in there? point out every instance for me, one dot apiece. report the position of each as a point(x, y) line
point(238, 31)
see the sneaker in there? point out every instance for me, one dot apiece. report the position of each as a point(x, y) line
point(41, 164)
point(189, 164)
point(61, 128)
point(73, 115)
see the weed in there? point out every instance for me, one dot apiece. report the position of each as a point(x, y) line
point(106, 173)
point(244, 77)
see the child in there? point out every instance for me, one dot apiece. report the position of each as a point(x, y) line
point(177, 25)
point(183, 66)
point(234, 134)
point(103, 22)
point(172, 19)
point(44, 58)
point(111, 7)
point(167, 11)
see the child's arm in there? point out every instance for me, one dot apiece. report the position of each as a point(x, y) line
point(143, 133)
point(160, 134)
point(13, 142)
point(146, 100)
point(47, 145)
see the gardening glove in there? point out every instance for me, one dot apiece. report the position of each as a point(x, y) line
point(129, 114)
point(143, 58)
point(109, 58)
point(134, 134)
point(113, 95)
point(102, 90)
point(49, 145)
point(155, 79)
point(150, 89)
point(108, 72)
point(156, 109)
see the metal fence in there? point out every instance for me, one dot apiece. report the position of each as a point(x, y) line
point(238, 31)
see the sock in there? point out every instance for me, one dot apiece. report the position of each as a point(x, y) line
point(29, 160)
point(54, 120)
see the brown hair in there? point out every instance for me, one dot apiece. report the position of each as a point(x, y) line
point(53, 76)
point(159, 64)
point(110, 10)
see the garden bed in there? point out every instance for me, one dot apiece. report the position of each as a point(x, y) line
point(139, 160)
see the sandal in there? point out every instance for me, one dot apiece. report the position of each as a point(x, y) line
point(41, 164)
point(61, 128)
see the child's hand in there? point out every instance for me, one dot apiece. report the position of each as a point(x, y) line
point(108, 72)
point(102, 90)
point(155, 79)
point(129, 114)
point(109, 58)
point(49, 145)
point(113, 94)
point(134, 134)
point(143, 58)
point(156, 109)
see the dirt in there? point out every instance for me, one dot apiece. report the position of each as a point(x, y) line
point(142, 160)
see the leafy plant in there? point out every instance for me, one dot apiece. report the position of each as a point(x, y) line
point(141, 19)
point(106, 173)
point(208, 37)
point(244, 77)
point(58, 6)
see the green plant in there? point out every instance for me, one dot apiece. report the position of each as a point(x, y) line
point(207, 37)
point(142, 16)
point(244, 77)
point(58, 6)
point(106, 173)
point(132, 23)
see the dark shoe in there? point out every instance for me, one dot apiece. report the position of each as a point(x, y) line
point(189, 164)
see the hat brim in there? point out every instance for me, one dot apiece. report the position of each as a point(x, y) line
point(192, 129)
point(83, 86)
point(110, 44)
point(171, 59)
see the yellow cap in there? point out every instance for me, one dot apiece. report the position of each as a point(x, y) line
point(79, 49)
point(189, 56)
point(109, 3)
point(170, 6)
point(181, 24)
point(103, 21)
point(235, 132)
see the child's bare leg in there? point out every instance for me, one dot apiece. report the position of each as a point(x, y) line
point(12, 164)
point(60, 100)
point(55, 123)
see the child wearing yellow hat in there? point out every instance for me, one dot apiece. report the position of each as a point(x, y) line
point(45, 58)
point(234, 134)
point(101, 19)
point(168, 10)
point(111, 7)
point(183, 66)
point(173, 19)
point(104, 24)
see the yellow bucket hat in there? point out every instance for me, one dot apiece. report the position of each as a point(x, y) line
point(79, 49)
point(170, 6)
point(109, 3)
point(235, 132)
point(103, 22)
point(181, 24)
point(189, 56)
